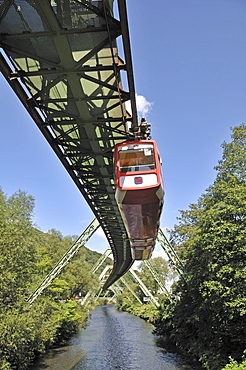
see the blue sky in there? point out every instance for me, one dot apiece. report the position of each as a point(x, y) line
point(189, 62)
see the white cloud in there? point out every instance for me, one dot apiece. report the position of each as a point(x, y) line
point(159, 253)
point(143, 106)
point(100, 233)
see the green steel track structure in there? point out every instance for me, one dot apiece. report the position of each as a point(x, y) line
point(84, 237)
point(61, 59)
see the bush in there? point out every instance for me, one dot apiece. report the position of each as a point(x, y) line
point(234, 365)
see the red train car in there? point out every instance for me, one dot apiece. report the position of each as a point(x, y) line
point(139, 193)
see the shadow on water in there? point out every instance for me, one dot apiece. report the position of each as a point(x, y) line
point(175, 352)
point(114, 340)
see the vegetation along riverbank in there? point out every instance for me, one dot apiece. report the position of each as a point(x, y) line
point(206, 316)
point(26, 256)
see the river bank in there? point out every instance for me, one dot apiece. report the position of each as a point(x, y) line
point(113, 340)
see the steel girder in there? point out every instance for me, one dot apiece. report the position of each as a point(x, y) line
point(66, 258)
point(171, 253)
point(60, 58)
point(144, 289)
point(157, 278)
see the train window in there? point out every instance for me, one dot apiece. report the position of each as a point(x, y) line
point(135, 158)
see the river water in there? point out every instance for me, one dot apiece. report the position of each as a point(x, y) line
point(112, 340)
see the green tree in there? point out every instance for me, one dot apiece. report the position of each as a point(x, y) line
point(209, 319)
point(17, 251)
point(161, 266)
point(26, 256)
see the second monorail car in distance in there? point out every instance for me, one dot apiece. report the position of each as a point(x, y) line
point(139, 193)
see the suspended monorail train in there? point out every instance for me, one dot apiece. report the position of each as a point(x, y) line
point(139, 193)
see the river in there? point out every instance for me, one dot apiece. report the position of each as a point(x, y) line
point(112, 340)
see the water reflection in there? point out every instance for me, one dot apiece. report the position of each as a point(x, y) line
point(113, 340)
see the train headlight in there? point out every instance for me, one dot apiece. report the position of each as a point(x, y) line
point(138, 180)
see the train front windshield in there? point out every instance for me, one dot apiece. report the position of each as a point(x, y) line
point(136, 157)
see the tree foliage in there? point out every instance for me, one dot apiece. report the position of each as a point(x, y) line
point(26, 256)
point(234, 365)
point(128, 302)
point(17, 251)
point(161, 266)
point(209, 317)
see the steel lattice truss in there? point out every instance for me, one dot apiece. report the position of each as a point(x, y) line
point(60, 58)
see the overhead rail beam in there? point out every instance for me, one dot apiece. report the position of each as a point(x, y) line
point(127, 49)
point(60, 57)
